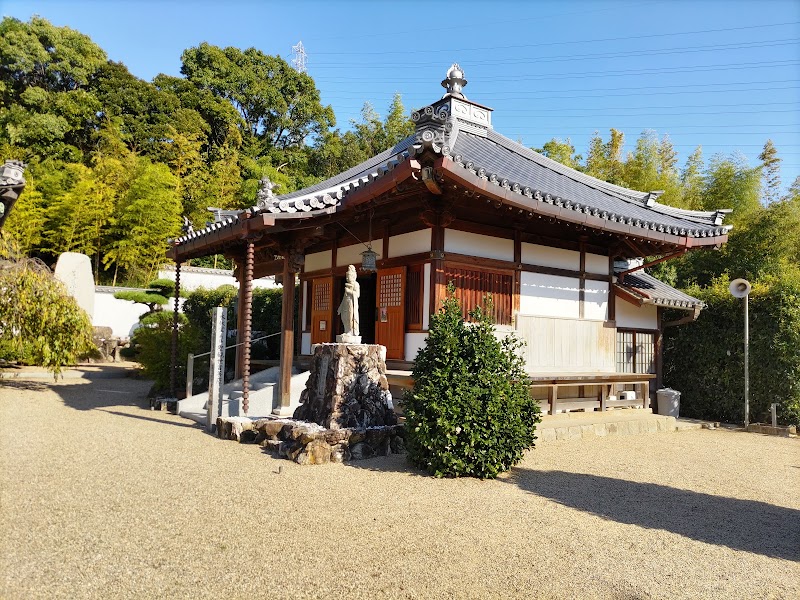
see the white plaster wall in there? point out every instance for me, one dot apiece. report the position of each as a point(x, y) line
point(596, 263)
point(121, 315)
point(349, 255)
point(474, 244)
point(549, 295)
point(305, 343)
point(547, 256)
point(635, 317)
point(193, 278)
point(426, 295)
point(595, 305)
point(318, 261)
point(414, 341)
point(410, 243)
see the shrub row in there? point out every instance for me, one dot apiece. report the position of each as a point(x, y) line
point(705, 359)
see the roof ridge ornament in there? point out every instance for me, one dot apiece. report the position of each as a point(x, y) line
point(264, 196)
point(454, 82)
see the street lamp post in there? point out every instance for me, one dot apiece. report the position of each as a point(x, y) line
point(740, 288)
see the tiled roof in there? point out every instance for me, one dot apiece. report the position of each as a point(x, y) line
point(460, 130)
point(654, 291)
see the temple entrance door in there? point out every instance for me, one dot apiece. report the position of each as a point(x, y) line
point(390, 311)
point(322, 325)
point(366, 307)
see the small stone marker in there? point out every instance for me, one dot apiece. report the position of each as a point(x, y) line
point(216, 372)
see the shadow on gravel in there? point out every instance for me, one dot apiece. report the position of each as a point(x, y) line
point(746, 525)
point(191, 425)
point(13, 384)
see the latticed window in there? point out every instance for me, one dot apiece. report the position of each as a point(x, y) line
point(636, 351)
point(414, 288)
point(473, 286)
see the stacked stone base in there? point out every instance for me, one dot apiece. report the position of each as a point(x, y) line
point(311, 444)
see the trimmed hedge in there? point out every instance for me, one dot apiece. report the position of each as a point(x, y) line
point(704, 360)
point(469, 412)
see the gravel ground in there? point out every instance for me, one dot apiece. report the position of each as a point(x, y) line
point(100, 498)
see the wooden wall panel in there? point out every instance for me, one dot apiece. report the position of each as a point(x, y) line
point(556, 345)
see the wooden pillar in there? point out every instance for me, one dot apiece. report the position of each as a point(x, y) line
point(517, 291)
point(247, 284)
point(582, 282)
point(659, 352)
point(173, 364)
point(287, 335)
point(240, 310)
point(612, 304)
point(438, 283)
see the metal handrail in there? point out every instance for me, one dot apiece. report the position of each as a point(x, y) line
point(190, 360)
point(263, 337)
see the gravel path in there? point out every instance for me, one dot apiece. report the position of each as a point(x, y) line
point(100, 498)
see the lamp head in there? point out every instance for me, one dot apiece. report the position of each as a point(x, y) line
point(740, 288)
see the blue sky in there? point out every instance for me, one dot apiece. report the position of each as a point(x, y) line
point(721, 74)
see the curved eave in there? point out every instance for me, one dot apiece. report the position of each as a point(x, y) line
point(216, 236)
point(516, 200)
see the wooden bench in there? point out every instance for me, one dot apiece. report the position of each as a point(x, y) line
point(607, 384)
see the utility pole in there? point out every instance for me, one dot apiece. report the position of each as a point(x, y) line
point(299, 57)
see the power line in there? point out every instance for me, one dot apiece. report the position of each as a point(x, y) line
point(405, 52)
point(592, 56)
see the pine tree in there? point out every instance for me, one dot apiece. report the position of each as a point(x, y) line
point(770, 173)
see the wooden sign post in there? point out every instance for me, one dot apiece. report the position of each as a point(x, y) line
point(216, 373)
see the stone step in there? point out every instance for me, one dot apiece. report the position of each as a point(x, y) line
point(582, 426)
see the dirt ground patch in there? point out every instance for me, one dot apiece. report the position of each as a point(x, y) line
point(100, 497)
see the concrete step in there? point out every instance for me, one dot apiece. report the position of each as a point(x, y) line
point(589, 425)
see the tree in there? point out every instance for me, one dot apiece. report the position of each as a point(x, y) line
point(692, 180)
point(44, 75)
point(731, 183)
point(561, 151)
point(596, 157)
point(770, 172)
point(40, 323)
point(25, 224)
point(280, 107)
point(148, 214)
point(157, 295)
point(469, 412)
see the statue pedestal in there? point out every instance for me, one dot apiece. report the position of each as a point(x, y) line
point(346, 338)
point(347, 388)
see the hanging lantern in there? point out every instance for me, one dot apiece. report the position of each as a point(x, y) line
point(368, 258)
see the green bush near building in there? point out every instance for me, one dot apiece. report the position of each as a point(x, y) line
point(469, 412)
point(705, 359)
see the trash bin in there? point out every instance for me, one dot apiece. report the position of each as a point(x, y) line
point(669, 402)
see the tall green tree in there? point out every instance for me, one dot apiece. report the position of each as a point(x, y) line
point(561, 151)
point(280, 107)
point(692, 180)
point(770, 172)
point(45, 72)
point(148, 214)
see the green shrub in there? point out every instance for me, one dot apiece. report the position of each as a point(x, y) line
point(469, 412)
point(152, 343)
point(40, 323)
point(705, 359)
